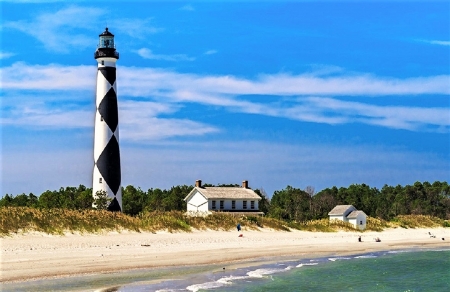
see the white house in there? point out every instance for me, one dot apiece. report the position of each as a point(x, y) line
point(223, 199)
point(348, 213)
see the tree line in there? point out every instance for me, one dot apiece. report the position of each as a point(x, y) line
point(290, 204)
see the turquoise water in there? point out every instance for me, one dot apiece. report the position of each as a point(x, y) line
point(418, 271)
point(383, 271)
point(411, 270)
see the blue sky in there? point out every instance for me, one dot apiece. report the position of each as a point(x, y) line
point(293, 93)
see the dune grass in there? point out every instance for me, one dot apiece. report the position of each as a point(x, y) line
point(417, 221)
point(59, 221)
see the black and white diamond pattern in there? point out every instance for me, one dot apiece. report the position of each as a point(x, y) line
point(106, 148)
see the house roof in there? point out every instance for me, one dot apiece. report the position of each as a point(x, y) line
point(225, 193)
point(340, 209)
point(355, 214)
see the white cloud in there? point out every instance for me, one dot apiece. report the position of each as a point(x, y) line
point(280, 84)
point(5, 55)
point(295, 97)
point(211, 52)
point(139, 122)
point(54, 28)
point(41, 116)
point(437, 42)
point(187, 7)
point(399, 117)
point(135, 28)
point(148, 54)
point(138, 119)
point(71, 28)
point(48, 77)
point(137, 81)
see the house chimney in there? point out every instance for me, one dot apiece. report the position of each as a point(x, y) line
point(245, 184)
point(198, 183)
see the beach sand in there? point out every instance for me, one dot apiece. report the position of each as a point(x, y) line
point(37, 255)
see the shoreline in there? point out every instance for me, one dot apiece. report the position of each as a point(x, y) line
point(38, 256)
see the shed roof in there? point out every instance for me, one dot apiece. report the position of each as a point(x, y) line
point(225, 193)
point(355, 214)
point(340, 209)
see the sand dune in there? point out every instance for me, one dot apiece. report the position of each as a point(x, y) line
point(37, 255)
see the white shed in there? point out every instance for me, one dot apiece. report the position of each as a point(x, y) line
point(358, 219)
point(223, 199)
point(348, 213)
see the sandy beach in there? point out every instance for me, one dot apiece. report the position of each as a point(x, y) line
point(37, 255)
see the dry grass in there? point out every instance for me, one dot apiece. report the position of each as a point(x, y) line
point(376, 224)
point(58, 221)
point(417, 221)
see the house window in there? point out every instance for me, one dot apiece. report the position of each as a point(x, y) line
point(244, 204)
point(103, 62)
point(100, 180)
point(221, 205)
point(213, 205)
point(233, 205)
point(252, 204)
point(360, 222)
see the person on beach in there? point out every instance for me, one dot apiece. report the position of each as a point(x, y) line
point(238, 227)
point(359, 239)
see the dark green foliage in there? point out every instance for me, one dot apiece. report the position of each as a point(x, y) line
point(290, 204)
point(133, 200)
point(167, 200)
point(293, 204)
point(264, 203)
point(68, 198)
point(19, 201)
point(101, 200)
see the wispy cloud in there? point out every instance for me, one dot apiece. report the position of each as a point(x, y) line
point(148, 81)
point(52, 28)
point(188, 7)
point(136, 116)
point(211, 52)
point(45, 117)
point(148, 54)
point(398, 117)
point(306, 97)
point(281, 84)
point(23, 76)
point(5, 55)
point(135, 28)
point(436, 42)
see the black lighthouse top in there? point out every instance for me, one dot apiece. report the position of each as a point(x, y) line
point(106, 47)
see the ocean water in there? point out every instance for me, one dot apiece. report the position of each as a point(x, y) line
point(407, 270)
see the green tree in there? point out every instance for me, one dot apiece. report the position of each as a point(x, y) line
point(174, 198)
point(84, 198)
point(133, 200)
point(291, 204)
point(101, 200)
point(51, 199)
point(264, 203)
point(324, 201)
point(6, 201)
point(155, 200)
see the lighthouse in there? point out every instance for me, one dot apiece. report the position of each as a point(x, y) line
point(107, 175)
